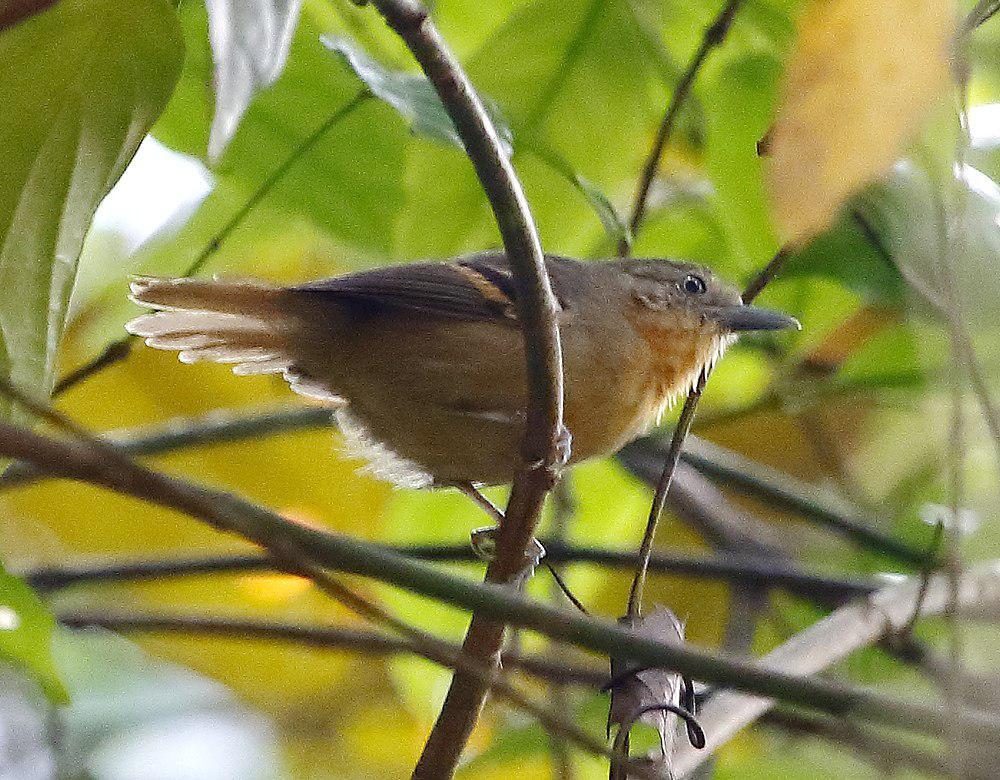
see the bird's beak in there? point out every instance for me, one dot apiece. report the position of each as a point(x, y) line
point(739, 318)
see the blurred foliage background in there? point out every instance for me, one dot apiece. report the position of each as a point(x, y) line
point(856, 405)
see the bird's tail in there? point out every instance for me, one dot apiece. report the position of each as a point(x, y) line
point(249, 324)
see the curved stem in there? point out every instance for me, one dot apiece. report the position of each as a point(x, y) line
point(536, 310)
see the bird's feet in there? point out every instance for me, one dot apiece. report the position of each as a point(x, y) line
point(550, 469)
point(484, 546)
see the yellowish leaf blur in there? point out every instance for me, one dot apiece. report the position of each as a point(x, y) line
point(860, 78)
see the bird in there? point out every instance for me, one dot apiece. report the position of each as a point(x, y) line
point(424, 362)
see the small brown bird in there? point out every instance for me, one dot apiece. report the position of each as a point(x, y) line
point(426, 361)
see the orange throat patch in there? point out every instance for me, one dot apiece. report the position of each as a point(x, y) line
point(681, 347)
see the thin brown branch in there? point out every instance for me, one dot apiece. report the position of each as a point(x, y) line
point(850, 628)
point(888, 755)
point(634, 607)
point(334, 638)
point(644, 458)
point(740, 569)
point(537, 313)
point(441, 652)
point(714, 35)
point(222, 426)
point(766, 275)
point(983, 11)
point(948, 310)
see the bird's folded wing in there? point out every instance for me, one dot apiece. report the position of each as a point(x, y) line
point(477, 287)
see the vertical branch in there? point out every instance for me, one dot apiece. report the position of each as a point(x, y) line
point(634, 607)
point(536, 309)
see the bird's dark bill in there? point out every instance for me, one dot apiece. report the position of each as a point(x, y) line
point(740, 318)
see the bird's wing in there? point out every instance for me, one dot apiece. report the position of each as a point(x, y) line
point(476, 287)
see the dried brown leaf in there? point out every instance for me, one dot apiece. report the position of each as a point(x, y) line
point(860, 78)
point(632, 694)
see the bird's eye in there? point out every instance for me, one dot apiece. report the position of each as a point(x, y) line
point(694, 285)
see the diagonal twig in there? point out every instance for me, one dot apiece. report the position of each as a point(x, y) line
point(833, 638)
point(86, 459)
point(634, 607)
point(714, 35)
point(737, 569)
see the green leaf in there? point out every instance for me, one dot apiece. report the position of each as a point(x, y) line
point(614, 225)
point(26, 628)
point(414, 97)
point(79, 86)
point(250, 41)
point(741, 92)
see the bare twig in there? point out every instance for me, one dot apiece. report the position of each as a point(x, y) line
point(925, 577)
point(645, 458)
point(939, 301)
point(982, 13)
point(634, 607)
point(537, 310)
point(120, 349)
point(441, 652)
point(734, 568)
point(714, 35)
point(833, 638)
point(888, 755)
point(222, 426)
point(641, 457)
point(322, 637)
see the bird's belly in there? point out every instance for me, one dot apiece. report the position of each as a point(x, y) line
point(601, 426)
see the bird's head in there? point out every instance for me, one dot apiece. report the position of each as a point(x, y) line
point(688, 315)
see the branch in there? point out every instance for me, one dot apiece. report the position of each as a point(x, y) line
point(888, 755)
point(714, 35)
point(444, 653)
point(118, 350)
point(982, 13)
point(634, 607)
point(222, 426)
point(536, 310)
point(225, 511)
point(733, 568)
point(850, 628)
point(942, 303)
point(323, 637)
point(645, 459)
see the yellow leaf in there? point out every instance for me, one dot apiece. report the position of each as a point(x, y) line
point(861, 76)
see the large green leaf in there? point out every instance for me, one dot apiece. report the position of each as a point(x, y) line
point(26, 628)
point(414, 98)
point(79, 86)
point(741, 90)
